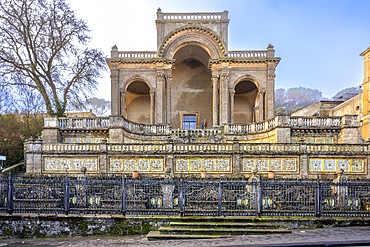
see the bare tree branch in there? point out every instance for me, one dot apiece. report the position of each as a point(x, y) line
point(43, 47)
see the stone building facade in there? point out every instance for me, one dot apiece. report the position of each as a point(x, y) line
point(194, 106)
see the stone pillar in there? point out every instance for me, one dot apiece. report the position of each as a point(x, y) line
point(232, 95)
point(33, 156)
point(123, 104)
point(115, 92)
point(349, 133)
point(236, 166)
point(303, 160)
point(103, 159)
point(159, 98)
point(215, 100)
point(224, 96)
point(269, 107)
point(152, 113)
point(168, 105)
point(116, 134)
point(262, 106)
point(50, 132)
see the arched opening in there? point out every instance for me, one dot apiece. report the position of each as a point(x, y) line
point(138, 102)
point(245, 102)
point(191, 89)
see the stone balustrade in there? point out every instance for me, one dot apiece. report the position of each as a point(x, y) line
point(137, 54)
point(183, 133)
point(193, 16)
point(80, 123)
point(70, 148)
point(307, 122)
point(148, 129)
point(247, 54)
point(242, 129)
point(153, 129)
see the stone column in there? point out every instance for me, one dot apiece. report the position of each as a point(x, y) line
point(152, 113)
point(224, 97)
point(215, 100)
point(261, 106)
point(269, 106)
point(123, 104)
point(168, 105)
point(115, 103)
point(159, 98)
point(232, 95)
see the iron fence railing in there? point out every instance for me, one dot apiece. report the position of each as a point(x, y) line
point(121, 195)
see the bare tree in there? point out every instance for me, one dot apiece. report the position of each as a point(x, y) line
point(43, 47)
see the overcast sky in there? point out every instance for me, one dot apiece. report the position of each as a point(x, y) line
point(319, 41)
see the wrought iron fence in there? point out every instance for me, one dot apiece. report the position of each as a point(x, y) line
point(121, 195)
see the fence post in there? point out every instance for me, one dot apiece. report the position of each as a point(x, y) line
point(66, 195)
point(9, 198)
point(259, 197)
point(318, 204)
point(219, 206)
point(123, 195)
point(181, 198)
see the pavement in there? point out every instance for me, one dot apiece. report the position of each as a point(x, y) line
point(334, 236)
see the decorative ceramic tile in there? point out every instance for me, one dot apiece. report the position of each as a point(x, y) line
point(136, 164)
point(343, 164)
point(357, 165)
point(210, 165)
point(249, 164)
point(331, 165)
point(289, 165)
point(223, 165)
point(267, 164)
point(275, 165)
point(196, 165)
point(63, 164)
point(182, 165)
point(206, 164)
point(315, 164)
point(262, 165)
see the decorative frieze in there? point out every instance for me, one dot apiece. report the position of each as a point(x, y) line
point(210, 164)
point(331, 165)
point(129, 164)
point(71, 164)
point(264, 164)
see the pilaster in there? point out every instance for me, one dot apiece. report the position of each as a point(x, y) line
point(115, 92)
point(224, 95)
point(159, 104)
point(232, 94)
point(215, 80)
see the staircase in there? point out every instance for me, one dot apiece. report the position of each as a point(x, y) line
point(200, 228)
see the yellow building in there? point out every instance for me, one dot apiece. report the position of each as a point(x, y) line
point(365, 132)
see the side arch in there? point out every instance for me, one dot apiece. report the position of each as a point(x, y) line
point(246, 101)
point(136, 101)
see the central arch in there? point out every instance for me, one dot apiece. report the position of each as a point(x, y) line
point(191, 91)
point(204, 37)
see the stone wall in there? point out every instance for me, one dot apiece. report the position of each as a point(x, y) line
point(31, 226)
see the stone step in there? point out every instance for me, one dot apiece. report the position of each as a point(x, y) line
point(220, 231)
point(157, 235)
point(222, 224)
